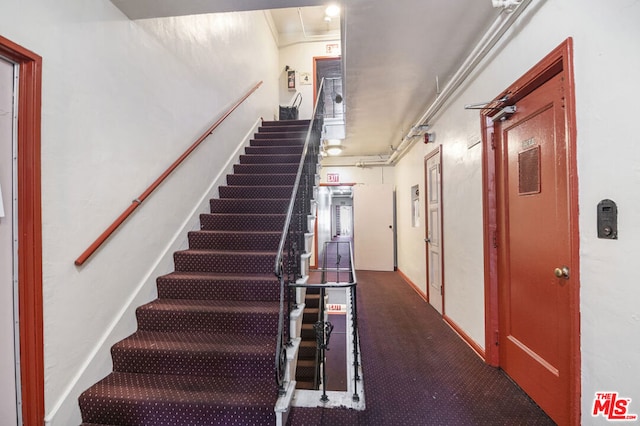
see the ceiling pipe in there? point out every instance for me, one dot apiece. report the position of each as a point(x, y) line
point(501, 24)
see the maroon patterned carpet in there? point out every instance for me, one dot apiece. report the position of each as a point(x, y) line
point(204, 352)
point(417, 371)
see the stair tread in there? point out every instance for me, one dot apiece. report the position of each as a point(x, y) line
point(190, 305)
point(275, 166)
point(228, 232)
point(176, 342)
point(220, 276)
point(186, 390)
point(230, 252)
point(304, 384)
point(306, 363)
point(247, 215)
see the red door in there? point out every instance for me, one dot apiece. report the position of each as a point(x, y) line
point(534, 248)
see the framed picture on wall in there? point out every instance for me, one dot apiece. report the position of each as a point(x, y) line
point(291, 79)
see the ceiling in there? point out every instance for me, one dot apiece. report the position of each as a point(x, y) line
point(397, 54)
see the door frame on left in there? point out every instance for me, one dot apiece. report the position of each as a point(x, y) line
point(29, 230)
point(559, 61)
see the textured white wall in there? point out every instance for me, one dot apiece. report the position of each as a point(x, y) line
point(121, 100)
point(606, 59)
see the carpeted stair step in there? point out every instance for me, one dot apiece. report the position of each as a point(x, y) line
point(212, 286)
point(306, 385)
point(312, 300)
point(163, 400)
point(249, 205)
point(226, 262)
point(307, 349)
point(305, 122)
point(273, 149)
point(242, 222)
point(310, 314)
point(275, 168)
point(306, 369)
point(281, 135)
point(269, 158)
point(276, 142)
point(95, 424)
point(234, 240)
point(307, 332)
point(211, 316)
point(261, 179)
point(283, 128)
point(199, 354)
point(255, 191)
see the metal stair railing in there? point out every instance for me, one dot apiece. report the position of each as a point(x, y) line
point(324, 328)
point(288, 263)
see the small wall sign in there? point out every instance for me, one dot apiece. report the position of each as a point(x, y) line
point(333, 177)
point(305, 78)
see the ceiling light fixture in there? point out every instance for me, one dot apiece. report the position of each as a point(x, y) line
point(334, 150)
point(333, 142)
point(332, 10)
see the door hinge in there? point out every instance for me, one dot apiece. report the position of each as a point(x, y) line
point(497, 339)
point(495, 239)
point(493, 141)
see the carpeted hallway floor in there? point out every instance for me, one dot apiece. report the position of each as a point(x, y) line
point(417, 371)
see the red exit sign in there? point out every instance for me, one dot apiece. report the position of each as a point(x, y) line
point(333, 177)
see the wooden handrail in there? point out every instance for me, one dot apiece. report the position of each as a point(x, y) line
point(135, 203)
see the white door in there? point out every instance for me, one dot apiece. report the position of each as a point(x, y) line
point(373, 233)
point(8, 411)
point(345, 221)
point(433, 240)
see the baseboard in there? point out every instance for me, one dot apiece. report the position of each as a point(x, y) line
point(65, 410)
point(413, 285)
point(465, 337)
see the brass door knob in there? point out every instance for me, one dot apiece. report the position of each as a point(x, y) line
point(562, 272)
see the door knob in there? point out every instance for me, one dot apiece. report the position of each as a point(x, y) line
point(562, 272)
point(427, 240)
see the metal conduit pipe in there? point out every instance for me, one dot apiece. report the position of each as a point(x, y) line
point(502, 23)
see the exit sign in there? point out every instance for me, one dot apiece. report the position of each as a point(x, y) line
point(333, 177)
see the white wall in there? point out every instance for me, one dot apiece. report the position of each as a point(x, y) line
point(606, 61)
point(121, 100)
point(299, 57)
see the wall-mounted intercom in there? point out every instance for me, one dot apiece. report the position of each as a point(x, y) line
point(607, 220)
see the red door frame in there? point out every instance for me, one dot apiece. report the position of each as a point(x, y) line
point(29, 231)
point(559, 61)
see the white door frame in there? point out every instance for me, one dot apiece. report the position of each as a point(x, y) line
point(434, 241)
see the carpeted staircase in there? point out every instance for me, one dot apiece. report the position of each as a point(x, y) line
point(204, 352)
